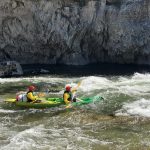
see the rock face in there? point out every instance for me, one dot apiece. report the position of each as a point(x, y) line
point(10, 68)
point(75, 32)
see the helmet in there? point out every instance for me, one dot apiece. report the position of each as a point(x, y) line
point(68, 87)
point(31, 88)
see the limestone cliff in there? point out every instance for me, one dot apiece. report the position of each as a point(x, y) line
point(75, 31)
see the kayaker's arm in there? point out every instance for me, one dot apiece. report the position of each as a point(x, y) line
point(74, 90)
point(32, 97)
point(66, 96)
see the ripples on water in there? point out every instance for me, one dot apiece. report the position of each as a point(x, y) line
point(121, 121)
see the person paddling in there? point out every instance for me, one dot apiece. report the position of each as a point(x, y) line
point(30, 96)
point(68, 96)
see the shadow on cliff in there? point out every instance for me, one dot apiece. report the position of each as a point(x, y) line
point(86, 70)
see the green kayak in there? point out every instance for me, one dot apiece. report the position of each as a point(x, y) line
point(53, 102)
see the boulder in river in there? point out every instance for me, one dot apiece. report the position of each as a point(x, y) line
point(10, 68)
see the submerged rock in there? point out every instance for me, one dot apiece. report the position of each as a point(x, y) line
point(10, 68)
point(75, 32)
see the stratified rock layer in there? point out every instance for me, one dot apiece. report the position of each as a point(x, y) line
point(75, 32)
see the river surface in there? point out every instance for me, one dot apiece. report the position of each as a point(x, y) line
point(119, 122)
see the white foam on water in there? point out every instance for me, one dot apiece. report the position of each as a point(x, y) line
point(41, 137)
point(24, 139)
point(146, 142)
point(7, 111)
point(139, 76)
point(137, 108)
point(93, 83)
point(30, 79)
point(47, 137)
point(96, 141)
point(133, 90)
point(138, 84)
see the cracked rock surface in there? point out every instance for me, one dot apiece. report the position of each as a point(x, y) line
point(75, 32)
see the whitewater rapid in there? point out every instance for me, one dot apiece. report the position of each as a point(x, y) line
point(120, 121)
point(126, 95)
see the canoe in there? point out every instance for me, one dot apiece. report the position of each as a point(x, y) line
point(53, 102)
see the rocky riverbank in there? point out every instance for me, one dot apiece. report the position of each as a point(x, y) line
point(10, 68)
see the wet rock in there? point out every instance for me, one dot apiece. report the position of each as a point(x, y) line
point(10, 68)
point(44, 71)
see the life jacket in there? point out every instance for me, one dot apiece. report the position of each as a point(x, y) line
point(28, 99)
point(70, 95)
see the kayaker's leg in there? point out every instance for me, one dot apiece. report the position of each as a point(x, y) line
point(29, 101)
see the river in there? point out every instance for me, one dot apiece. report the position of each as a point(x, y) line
point(119, 122)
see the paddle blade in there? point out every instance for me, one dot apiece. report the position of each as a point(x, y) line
point(41, 94)
point(79, 83)
point(75, 88)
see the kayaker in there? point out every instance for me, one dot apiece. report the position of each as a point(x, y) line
point(68, 94)
point(30, 96)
